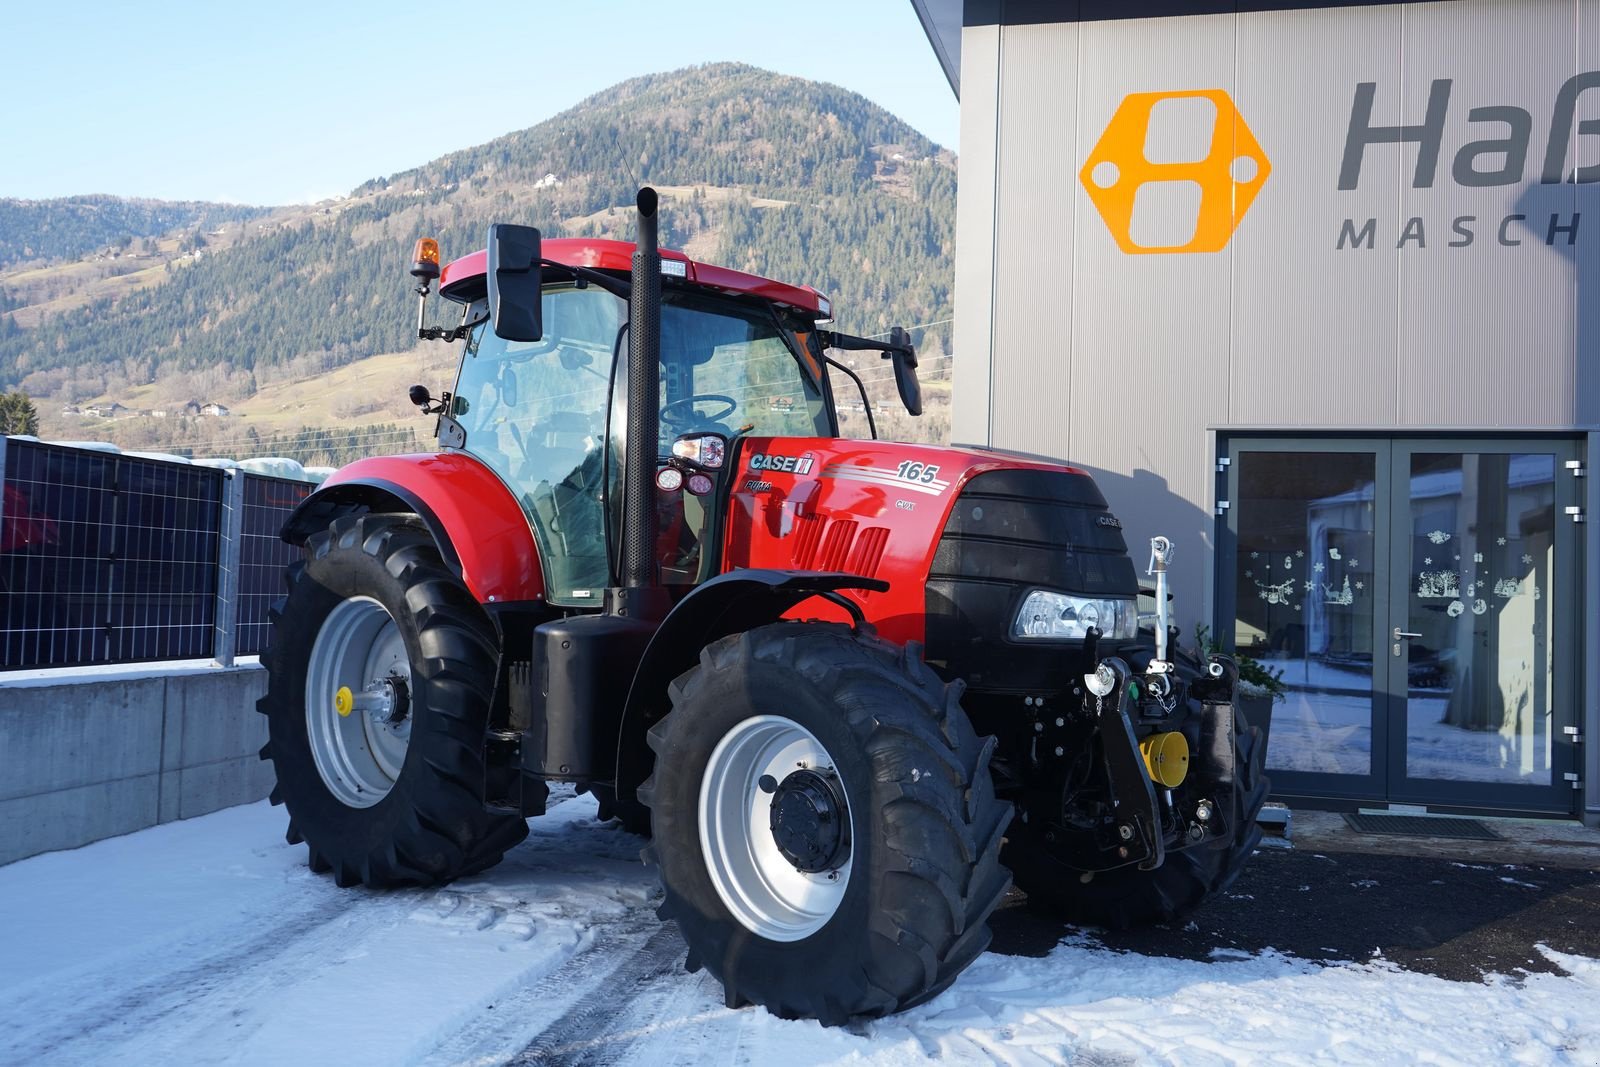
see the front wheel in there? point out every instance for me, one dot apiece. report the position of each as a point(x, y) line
point(379, 679)
point(825, 825)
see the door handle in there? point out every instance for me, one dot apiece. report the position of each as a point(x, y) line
point(1399, 633)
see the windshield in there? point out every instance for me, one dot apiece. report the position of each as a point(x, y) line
point(536, 413)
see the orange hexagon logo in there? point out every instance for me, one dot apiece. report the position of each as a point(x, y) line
point(1150, 193)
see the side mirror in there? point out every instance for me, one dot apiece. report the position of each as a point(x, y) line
point(515, 282)
point(904, 357)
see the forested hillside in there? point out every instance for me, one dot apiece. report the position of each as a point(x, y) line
point(799, 180)
point(74, 226)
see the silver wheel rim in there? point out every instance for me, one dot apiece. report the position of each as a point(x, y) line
point(359, 753)
point(766, 893)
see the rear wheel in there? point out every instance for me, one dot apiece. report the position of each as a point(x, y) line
point(825, 826)
point(379, 677)
point(1127, 897)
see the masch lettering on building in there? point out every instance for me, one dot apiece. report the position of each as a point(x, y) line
point(1313, 288)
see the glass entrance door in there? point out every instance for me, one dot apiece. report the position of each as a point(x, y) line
point(1481, 595)
point(1416, 599)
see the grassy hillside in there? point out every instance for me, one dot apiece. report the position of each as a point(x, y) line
point(793, 179)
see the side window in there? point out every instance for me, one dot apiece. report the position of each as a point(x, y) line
point(536, 413)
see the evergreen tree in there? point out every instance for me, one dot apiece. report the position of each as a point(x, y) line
point(17, 414)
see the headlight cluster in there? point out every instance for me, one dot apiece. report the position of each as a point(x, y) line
point(1058, 617)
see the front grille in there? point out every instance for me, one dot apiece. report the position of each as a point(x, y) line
point(1011, 531)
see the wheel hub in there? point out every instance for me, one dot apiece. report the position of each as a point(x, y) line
point(806, 820)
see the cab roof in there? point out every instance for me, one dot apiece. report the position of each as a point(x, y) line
point(463, 279)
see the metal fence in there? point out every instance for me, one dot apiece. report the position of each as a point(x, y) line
point(112, 558)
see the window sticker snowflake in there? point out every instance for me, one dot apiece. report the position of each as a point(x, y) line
point(1299, 553)
point(1355, 563)
point(1318, 567)
point(1526, 559)
point(1501, 541)
point(1427, 561)
point(1361, 585)
point(1309, 585)
point(1257, 555)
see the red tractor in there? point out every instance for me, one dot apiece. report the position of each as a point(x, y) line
point(851, 688)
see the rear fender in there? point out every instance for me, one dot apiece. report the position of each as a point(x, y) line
point(482, 533)
point(727, 604)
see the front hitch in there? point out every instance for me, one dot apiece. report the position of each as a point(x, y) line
point(1135, 812)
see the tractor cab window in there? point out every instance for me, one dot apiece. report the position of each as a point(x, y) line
point(536, 414)
point(727, 367)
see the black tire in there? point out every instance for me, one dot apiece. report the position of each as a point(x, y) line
point(1127, 897)
point(634, 816)
point(431, 826)
point(926, 827)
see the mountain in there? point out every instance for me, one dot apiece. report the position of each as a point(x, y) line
point(71, 227)
point(798, 180)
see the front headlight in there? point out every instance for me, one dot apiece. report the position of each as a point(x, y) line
point(1058, 617)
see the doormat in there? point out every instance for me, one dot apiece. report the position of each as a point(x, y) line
point(1420, 826)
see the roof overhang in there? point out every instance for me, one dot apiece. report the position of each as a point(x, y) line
point(941, 21)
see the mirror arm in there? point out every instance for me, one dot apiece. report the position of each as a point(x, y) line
point(847, 343)
point(865, 403)
point(614, 286)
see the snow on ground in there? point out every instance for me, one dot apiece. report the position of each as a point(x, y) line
point(208, 941)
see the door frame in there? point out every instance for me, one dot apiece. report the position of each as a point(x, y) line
point(1386, 781)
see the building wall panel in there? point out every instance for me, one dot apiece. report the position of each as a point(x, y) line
point(1315, 326)
point(1487, 329)
point(1034, 232)
point(975, 229)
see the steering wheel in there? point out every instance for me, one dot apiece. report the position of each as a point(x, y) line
point(689, 415)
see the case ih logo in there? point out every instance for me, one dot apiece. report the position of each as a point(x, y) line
point(1165, 179)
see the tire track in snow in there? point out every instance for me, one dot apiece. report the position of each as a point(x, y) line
point(130, 1008)
point(518, 1020)
point(593, 1029)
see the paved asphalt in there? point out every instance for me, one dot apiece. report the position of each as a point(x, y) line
point(1454, 919)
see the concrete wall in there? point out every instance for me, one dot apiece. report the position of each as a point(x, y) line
point(90, 757)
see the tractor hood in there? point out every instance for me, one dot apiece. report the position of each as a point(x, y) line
point(923, 517)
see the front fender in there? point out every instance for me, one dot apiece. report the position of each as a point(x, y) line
point(727, 604)
point(480, 529)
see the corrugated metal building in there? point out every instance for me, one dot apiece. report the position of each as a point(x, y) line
point(1314, 288)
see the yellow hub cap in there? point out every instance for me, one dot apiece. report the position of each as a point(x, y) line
point(1166, 757)
point(344, 701)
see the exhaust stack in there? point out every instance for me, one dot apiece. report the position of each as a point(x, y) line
point(644, 402)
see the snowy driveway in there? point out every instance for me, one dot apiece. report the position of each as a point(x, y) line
point(209, 941)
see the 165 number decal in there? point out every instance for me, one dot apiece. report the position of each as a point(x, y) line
point(911, 471)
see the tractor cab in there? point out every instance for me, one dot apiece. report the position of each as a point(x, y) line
point(549, 415)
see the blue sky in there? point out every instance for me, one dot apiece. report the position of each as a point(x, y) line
point(284, 102)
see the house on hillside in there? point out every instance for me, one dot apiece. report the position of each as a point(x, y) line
point(214, 408)
point(549, 181)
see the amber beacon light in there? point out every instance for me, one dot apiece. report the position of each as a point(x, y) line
point(425, 258)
